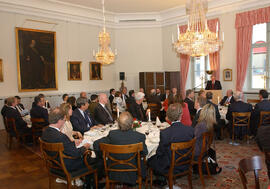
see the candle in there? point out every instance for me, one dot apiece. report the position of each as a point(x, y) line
point(115, 51)
point(117, 112)
point(178, 32)
point(217, 27)
point(218, 99)
point(172, 39)
point(222, 36)
point(149, 115)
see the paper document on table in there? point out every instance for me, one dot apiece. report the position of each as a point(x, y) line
point(84, 141)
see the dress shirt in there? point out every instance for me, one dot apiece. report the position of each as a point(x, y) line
point(83, 114)
point(55, 128)
point(228, 99)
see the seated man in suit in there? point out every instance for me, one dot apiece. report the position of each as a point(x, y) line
point(154, 99)
point(189, 100)
point(93, 104)
point(102, 113)
point(213, 84)
point(264, 105)
point(112, 93)
point(81, 119)
point(12, 112)
point(19, 104)
point(53, 134)
point(228, 99)
point(199, 104)
point(46, 105)
point(131, 97)
point(4, 108)
point(123, 136)
point(38, 111)
point(238, 106)
point(177, 132)
point(136, 108)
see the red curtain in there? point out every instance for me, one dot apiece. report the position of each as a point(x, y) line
point(184, 66)
point(214, 57)
point(244, 24)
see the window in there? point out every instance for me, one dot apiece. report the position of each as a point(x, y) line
point(259, 65)
point(199, 66)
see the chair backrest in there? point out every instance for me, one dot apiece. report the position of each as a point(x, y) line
point(184, 158)
point(155, 110)
point(241, 118)
point(11, 126)
point(206, 142)
point(264, 118)
point(245, 165)
point(53, 156)
point(267, 161)
point(109, 152)
point(37, 124)
point(253, 101)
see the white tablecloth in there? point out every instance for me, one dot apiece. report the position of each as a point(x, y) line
point(152, 139)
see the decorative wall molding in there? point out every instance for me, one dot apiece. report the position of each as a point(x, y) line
point(53, 9)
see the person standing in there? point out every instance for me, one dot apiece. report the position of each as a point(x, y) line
point(213, 84)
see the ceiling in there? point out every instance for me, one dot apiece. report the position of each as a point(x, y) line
point(129, 6)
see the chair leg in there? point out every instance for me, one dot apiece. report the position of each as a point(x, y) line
point(96, 179)
point(207, 168)
point(190, 179)
point(140, 182)
point(146, 182)
point(200, 172)
point(151, 178)
point(69, 184)
point(232, 134)
point(170, 181)
point(50, 182)
point(107, 183)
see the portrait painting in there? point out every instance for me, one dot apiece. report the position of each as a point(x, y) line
point(95, 71)
point(36, 60)
point(1, 71)
point(74, 70)
point(227, 74)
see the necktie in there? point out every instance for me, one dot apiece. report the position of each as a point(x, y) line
point(110, 117)
point(88, 121)
point(213, 85)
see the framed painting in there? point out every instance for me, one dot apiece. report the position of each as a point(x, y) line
point(1, 71)
point(74, 70)
point(36, 60)
point(227, 74)
point(95, 71)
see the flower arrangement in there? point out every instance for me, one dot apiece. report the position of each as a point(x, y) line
point(136, 124)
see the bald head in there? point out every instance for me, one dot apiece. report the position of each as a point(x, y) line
point(125, 121)
point(229, 92)
point(153, 91)
point(83, 95)
point(238, 96)
point(102, 98)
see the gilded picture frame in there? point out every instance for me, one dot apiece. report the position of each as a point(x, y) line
point(74, 70)
point(1, 71)
point(227, 74)
point(36, 60)
point(95, 71)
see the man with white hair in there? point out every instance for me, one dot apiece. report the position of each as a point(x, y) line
point(102, 114)
point(136, 108)
point(228, 99)
point(238, 106)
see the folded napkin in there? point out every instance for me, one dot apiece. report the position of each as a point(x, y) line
point(158, 121)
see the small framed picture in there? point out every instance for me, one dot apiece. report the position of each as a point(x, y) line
point(74, 70)
point(95, 71)
point(227, 74)
point(1, 71)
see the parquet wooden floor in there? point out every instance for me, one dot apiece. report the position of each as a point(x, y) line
point(20, 168)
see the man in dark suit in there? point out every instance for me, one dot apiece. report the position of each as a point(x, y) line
point(136, 108)
point(177, 132)
point(158, 94)
point(4, 108)
point(52, 134)
point(131, 97)
point(154, 99)
point(102, 113)
point(213, 84)
point(124, 136)
point(199, 104)
point(220, 123)
point(124, 95)
point(264, 105)
point(12, 112)
point(81, 119)
point(19, 102)
point(189, 100)
point(238, 106)
point(38, 111)
point(111, 97)
point(47, 104)
point(228, 99)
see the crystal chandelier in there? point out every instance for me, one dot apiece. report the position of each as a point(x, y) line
point(198, 40)
point(104, 54)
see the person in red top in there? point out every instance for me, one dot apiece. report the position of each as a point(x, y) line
point(185, 120)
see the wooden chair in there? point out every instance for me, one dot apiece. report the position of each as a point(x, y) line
point(54, 159)
point(133, 149)
point(240, 119)
point(37, 127)
point(245, 165)
point(155, 110)
point(267, 162)
point(12, 131)
point(264, 118)
point(175, 147)
point(207, 139)
point(253, 101)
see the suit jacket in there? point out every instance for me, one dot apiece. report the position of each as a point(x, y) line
point(79, 123)
point(191, 108)
point(21, 125)
point(39, 112)
point(216, 108)
point(217, 85)
point(155, 100)
point(238, 106)
point(177, 132)
point(135, 110)
point(111, 97)
point(101, 116)
point(222, 102)
point(130, 100)
point(264, 105)
point(4, 110)
point(118, 137)
point(52, 135)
